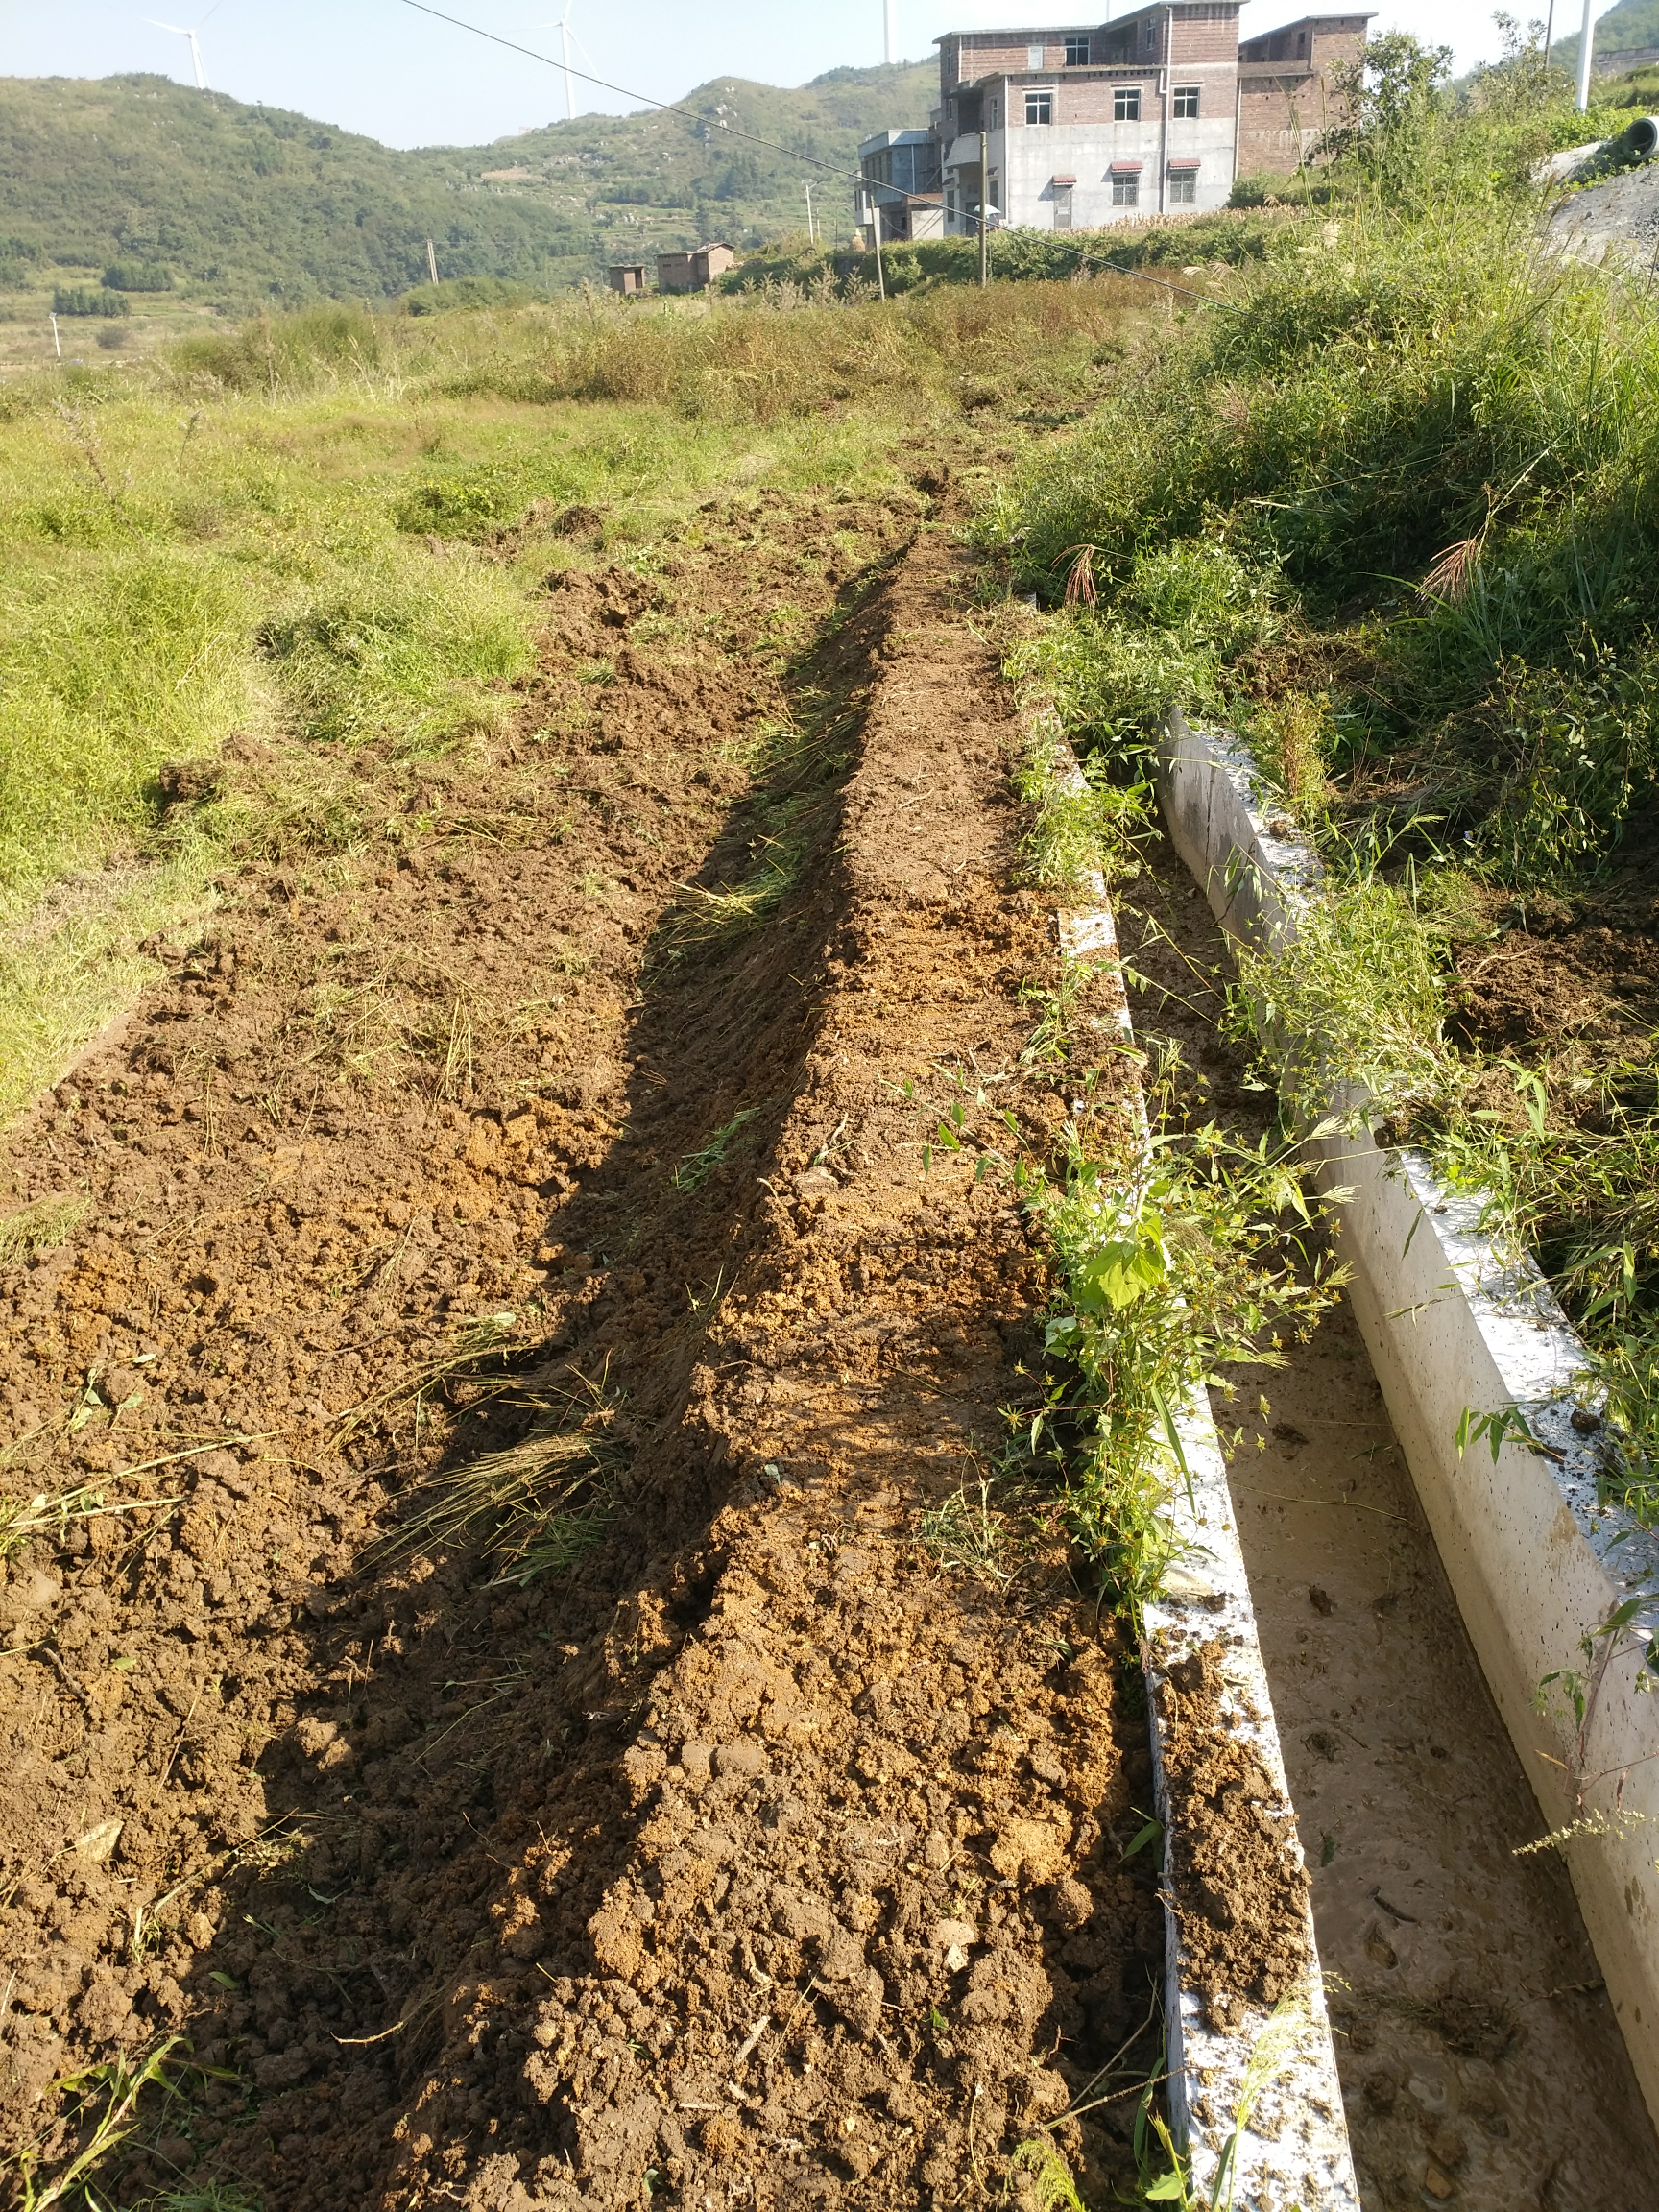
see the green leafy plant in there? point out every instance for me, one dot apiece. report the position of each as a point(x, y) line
point(1200, 1254)
point(104, 2099)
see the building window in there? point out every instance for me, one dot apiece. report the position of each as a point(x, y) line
point(996, 114)
point(1061, 206)
point(950, 206)
point(993, 206)
point(1151, 34)
point(1076, 53)
point(1034, 56)
point(1039, 107)
point(1125, 191)
point(1186, 102)
point(1184, 189)
point(1126, 104)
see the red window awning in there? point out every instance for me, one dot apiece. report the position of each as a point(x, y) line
point(1126, 168)
point(1186, 163)
point(1061, 180)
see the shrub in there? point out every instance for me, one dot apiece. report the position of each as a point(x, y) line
point(138, 277)
point(467, 292)
point(82, 299)
point(288, 353)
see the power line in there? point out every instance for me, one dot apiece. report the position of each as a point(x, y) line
point(830, 168)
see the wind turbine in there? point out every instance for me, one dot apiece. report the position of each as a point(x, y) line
point(566, 34)
point(180, 31)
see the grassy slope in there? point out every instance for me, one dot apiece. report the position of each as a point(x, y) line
point(1394, 520)
point(253, 204)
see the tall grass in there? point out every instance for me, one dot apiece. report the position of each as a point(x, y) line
point(1394, 513)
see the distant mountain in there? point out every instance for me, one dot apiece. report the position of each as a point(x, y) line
point(1631, 27)
point(243, 204)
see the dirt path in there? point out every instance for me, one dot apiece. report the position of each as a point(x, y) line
point(769, 1853)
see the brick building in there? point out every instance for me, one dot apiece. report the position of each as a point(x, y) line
point(1284, 101)
point(693, 272)
point(1087, 125)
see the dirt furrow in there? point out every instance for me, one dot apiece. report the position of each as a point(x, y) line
point(770, 1852)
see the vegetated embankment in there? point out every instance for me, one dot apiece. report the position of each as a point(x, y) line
point(526, 1652)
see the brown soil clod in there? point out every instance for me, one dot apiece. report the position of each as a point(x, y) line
point(1240, 1895)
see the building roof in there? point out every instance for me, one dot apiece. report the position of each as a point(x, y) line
point(885, 138)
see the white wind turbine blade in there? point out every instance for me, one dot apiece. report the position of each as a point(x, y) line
point(561, 25)
point(190, 30)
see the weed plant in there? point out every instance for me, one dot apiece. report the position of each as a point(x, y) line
point(1178, 1251)
point(1200, 1254)
point(1389, 515)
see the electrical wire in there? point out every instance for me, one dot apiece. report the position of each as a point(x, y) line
point(811, 160)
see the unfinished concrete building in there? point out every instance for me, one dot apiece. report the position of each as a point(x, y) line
point(1081, 126)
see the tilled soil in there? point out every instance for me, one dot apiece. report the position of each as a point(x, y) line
point(1576, 974)
point(770, 1853)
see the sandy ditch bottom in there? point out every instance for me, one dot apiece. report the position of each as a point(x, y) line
point(1479, 2057)
point(770, 1852)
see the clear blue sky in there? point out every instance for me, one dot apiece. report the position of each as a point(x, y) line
point(376, 67)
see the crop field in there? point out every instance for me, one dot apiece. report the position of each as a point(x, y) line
point(587, 1330)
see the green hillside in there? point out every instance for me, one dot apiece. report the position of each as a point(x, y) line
point(1632, 27)
point(242, 205)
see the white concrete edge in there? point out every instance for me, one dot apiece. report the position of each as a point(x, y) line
point(1455, 1323)
point(1293, 2157)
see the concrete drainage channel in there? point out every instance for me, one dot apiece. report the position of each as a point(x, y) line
point(1533, 1564)
point(1254, 2095)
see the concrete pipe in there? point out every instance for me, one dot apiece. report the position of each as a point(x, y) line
point(1643, 136)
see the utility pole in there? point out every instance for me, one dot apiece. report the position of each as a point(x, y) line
point(811, 234)
point(56, 340)
point(432, 260)
point(984, 208)
point(1586, 49)
point(890, 31)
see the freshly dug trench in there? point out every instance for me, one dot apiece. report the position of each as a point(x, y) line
point(774, 1852)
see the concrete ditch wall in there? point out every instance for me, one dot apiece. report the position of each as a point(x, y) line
point(1293, 2154)
point(1453, 1324)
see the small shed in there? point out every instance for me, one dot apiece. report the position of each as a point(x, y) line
point(626, 276)
point(693, 272)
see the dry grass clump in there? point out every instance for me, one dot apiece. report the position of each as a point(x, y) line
point(534, 1508)
point(740, 361)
